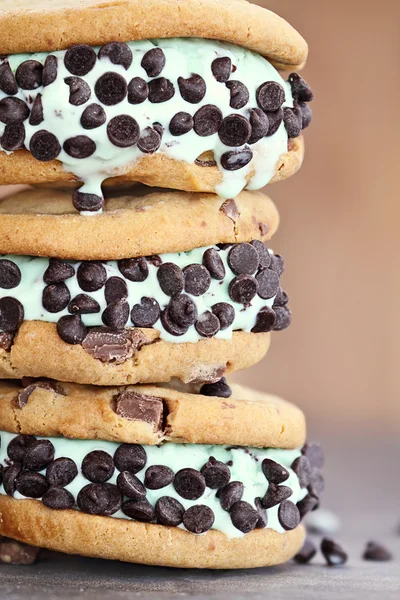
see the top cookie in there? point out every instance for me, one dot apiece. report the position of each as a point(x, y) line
point(58, 24)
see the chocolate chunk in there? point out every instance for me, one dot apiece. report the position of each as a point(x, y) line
point(268, 283)
point(116, 314)
point(230, 494)
point(198, 519)
point(239, 94)
point(236, 159)
point(31, 485)
point(230, 209)
point(266, 320)
point(80, 146)
point(61, 472)
point(244, 517)
point(139, 407)
point(71, 329)
point(243, 259)
point(376, 552)
point(197, 279)
point(130, 457)
point(138, 91)
point(181, 123)
point(149, 141)
point(111, 88)
point(36, 116)
point(306, 554)
point(242, 289)
point(190, 484)
point(58, 271)
point(160, 90)
point(16, 553)
point(264, 257)
point(6, 341)
point(93, 116)
point(91, 276)
point(29, 75)
point(301, 91)
point(158, 476)
point(17, 447)
point(110, 345)
point(235, 130)
point(207, 120)
point(11, 314)
point(58, 498)
point(207, 325)
point(171, 279)
point(80, 59)
point(214, 264)
point(39, 454)
point(98, 466)
point(281, 298)
point(259, 124)
point(182, 310)
point(315, 455)
point(145, 314)
point(123, 131)
point(139, 510)
point(275, 119)
point(270, 96)
point(50, 69)
point(10, 474)
point(99, 499)
point(10, 274)
point(55, 297)
point(193, 89)
point(220, 389)
point(130, 486)
point(13, 137)
point(13, 111)
point(283, 318)
point(222, 68)
point(225, 313)
point(153, 62)
point(170, 326)
point(333, 553)
point(262, 522)
point(134, 269)
point(169, 511)
point(302, 468)
point(118, 53)
point(115, 289)
point(215, 473)
point(306, 505)
point(274, 472)
point(293, 119)
point(276, 494)
point(83, 304)
point(44, 146)
point(79, 90)
point(25, 394)
point(306, 115)
point(288, 515)
point(8, 84)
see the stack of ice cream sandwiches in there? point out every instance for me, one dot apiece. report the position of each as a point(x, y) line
point(136, 273)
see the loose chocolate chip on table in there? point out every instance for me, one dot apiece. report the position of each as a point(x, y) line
point(239, 94)
point(99, 499)
point(44, 146)
point(13, 111)
point(306, 554)
point(283, 318)
point(300, 89)
point(215, 473)
point(79, 90)
point(93, 116)
point(158, 476)
point(190, 484)
point(160, 90)
point(244, 517)
point(13, 137)
point(153, 62)
point(293, 120)
point(130, 457)
point(235, 130)
point(281, 299)
point(274, 472)
point(91, 276)
point(50, 70)
point(222, 68)
point(17, 447)
point(270, 96)
point(10, 474)
point(31, 485)
point(230, 494)
point(207, 120)
point(259, 123)
point(111, 88)
point(11, 314)
point(130, 486)
point(116, 314)
point(38, 455)
point(333, 553)
point(169, 511)
point(55, 297)
point(58, 498)
point(277, 264)
point(243, 259)
point(140, 510)
point(306, 115)
point(242, 289)
point(377, 552)
point(236, 159)
point(302, 468)
point(149, 141)
point(80, 59)
point(181, 123)
point(171, 279)
point(118, 53)
point(61, 472)
point(115, 289)
point(10, 274)
point(276, 494)
point(225, 313)
point(29, 75)
point(193, 89)
point(8, 84)
point(315, 455)
point(123, 131)
point(98, 466)
point(170, 326)
point(207, 325)
point(83, 304)
point(268, 283)
point(275, 119)
point(138, 91)
point(80, 146)
point(220, 389)
point(262, 514)
point(198, 519)
point(182, 310)
point(288, 515)
point(71, 329)
point(36, 116)
point(213, 263)
point(197, 279)
point(306, 505)
point(134, 269)
point(145, 314)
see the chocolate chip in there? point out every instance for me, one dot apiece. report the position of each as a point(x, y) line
point(170, 326)
point(17, 447)
point(306, 115)
point(281, 298)
point(149, 141)
point(13, 137)
point(220, 389)
point(242, 289)
point(71, 329)
point(11, 314)
point(268, 283)
point(193, 89)
point(50, 69)
point(8, 84)
point(154, 260)
point(181, 123)
point(130, 457)
point(118, 53)
point(99, 499)
point(198, 519)
point(243, 259)
point(115, 289)
point(6, 341)
point(83, 304)
point(123, 131)
point(277, 264)
point(80, 146)
point(190, 484)
point(230, 210)
point(31, 485)
point(44, 146)
point(153, 62)
point(274, 472)
point(10, 474)
point(215, 473)
point(140, 510)
point(10, 274)
point(160, 90)
point(138, 91)
point(58, 271)
point(283, 318)
point(91, 276)
point(111, 88)
point(225, 314)
point(230, 494)
point(262, 522)
point(79, 90)
point(25, 394)
point(93, 116)
point(317, 483)
point(55, 297)
point(39, 454)
point(377, 552)
point(207, 120)
point(36, 116)
point(13, 111)
point(222, 68)
point(207, 325)
point(116, 314)
point(275, 119)
point(169, 511)
point(306, 505)
point(300, 89)
point(171, 279)
point(80, 59)
point(57, 498)
point(264, 257)
point(235, 130)
point(214, 264)
point(270, 96)
point(134, 269)
point(61, 472)
point(130, 486)
point(98, 466)
point(293, 120)
point(302, 468)
point(259, 124)
point(29, 75)
point(158, 476)
point(197, 279)
point(276, 494)
point(145, 314)
point(139, 407)
point(239, 94)
point(288, 515)
point(333, 553)
point(182, 310)
point(266, 320)
point(315, 455)
point(244, 517)
point(306, 554)
point(236, 159)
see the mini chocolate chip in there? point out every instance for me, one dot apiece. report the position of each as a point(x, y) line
point(91, 276)
point(58, 498)
point(58, 271)
point(293, 120)
point(264, 257)
point(83, 304)
point(222, 68)
point(31, 485)
point(134, 269)
point(17, 447)
point(306, 554)
point(115, 289)
point(29, 75)
point(98, 466)
point(130, 457)
point(13, 111)
point(306, 114)
point(138, 91)
point(39, 454)
point(118, 53)
point(300, 89)
point(181, 123)
point(11, 314)
point(220, 389)
point(44, 146)
point(170, 326)
point(10, 274)
point(225, 313)
point(171, 279)
point(93, 116)
point(111, 88)
point(236, 159)
point(207, 325)
point(259, 123)
point(182, 310)
point(8, 84)
point(116, 314)
point(71, 329)
point(153, 62)
point(139, 510)
point(239, 94)
point(80, 59)
point(80, 146)
point(158, 476)
point(160, 90)
point(275, 119)
point(283, 318)
point(302, 468)
point(243, 259)
point(244, 517)
point(198, 519)
point(10, 474)
point(377, 552)
point(79, 90)
point(197, 279)
point(281, 299)
point(333, 553)
point(274, 472)
point(270, 96)
point(61, 472)
point(242, 289)
point(277, 264)
point(13, 137)
point(123, 131)
point(149, 141)
point(193, 89)
point(262, 522)
point(235, 130)
point(50, 70)
point(215, 473)
point(230, 494)
point(276, 494)
point(36, 116)
point(169, 511)
point(266, 320)
point(214, 264)
point(288, 515)
point(207, 120)
point(99, 499)
point(130, 486)
point(145, 314)
point(268, 283)
point(306, 505)
point(315, 455)
point(55, 297)
point(190, 484)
